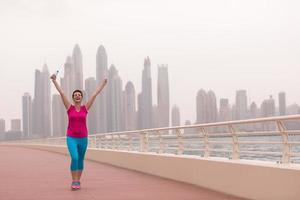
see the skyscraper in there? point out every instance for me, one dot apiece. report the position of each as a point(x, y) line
point(2, 125)
point(241, 105)
point(163, 101)
point(130, 107)
point(77, 62)
point(268, 110)
point(268, 107)
point(68, 81)
point(254, 113)
point(16, 125)
point(211, 104)
point(145, 98)
point(58, 116)
point(102, 99)
point(224, 112)
point(41, 104)
point(201, 107)
point(282, 103)
point(115, 102)
point(90, 86)
point(175, 116)
point(155, 116)
point(27, 115)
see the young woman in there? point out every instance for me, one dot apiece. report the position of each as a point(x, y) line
point(77, 132)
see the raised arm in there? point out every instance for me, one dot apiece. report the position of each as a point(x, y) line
point(61, 92)
point(94, 95)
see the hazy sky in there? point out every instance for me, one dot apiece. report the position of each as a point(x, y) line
point(216, 44)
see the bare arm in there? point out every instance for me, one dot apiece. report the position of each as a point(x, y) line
point(97, 91)
point(61, 92)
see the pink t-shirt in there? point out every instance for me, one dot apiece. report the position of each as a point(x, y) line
point(77, 122)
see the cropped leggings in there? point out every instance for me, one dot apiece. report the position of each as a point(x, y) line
point(77, 148)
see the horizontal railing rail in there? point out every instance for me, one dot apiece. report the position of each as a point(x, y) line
point(274, 139)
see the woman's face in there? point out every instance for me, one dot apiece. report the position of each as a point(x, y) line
point(77, 97)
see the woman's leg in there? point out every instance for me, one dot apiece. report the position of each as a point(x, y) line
point(82, 146)
point(72, 147)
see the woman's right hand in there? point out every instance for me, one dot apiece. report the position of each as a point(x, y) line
point(53, 77)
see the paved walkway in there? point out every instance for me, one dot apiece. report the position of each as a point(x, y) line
point(28, 174)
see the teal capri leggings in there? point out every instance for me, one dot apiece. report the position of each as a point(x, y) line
point(77, 148)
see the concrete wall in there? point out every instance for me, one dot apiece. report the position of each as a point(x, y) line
point(261, 181)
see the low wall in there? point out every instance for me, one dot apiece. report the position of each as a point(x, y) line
point(261, 181)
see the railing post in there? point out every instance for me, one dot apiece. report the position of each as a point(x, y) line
point(119, 142)
point(143, 142)
point(161, 145)
point(130, 143)
point(236, 146)
point(286, 148)
point(180, 143)
point(113, 145)
point(203, 133)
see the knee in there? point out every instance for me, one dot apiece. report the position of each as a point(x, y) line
point(75, 159)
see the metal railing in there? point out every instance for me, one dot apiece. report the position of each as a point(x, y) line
point(275, 139)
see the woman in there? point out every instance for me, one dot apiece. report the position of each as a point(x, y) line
point(77, 130)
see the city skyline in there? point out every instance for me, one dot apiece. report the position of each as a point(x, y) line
point(122, 111)
point(207, 107)
point(204, 44)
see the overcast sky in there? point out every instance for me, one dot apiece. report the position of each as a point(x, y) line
point(217, 44)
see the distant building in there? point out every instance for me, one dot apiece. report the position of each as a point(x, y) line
point(175, 116)
point(103, 99)
point(115, 101)
point(241, 106)
point(212, 110)
point(2, 125)
point(268, 107)
point(27, 115)
point(282, 103)
point(224, 111)
point(77, 64)
point(163, 99)
point(145, 98)
point(130, 107)
point(90, 86)
point(15, 125)
point(42, 104)
point(201, 107)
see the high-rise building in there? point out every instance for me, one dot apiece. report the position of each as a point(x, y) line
point(16, 125)
point(102, 99)
point(163, 101)
point(241, 105)
point(201, 107)
point(41, 104)
point(2, 125)
point(155, 116)
point(268, 110)
point(254, 113)
point(224, 112)
point(77, 64)
point(58, 116)
point(115, 101)
point(129, 107)
point(282, 103)
point(268, 107)
point(175, 116)
point(211, 107)
point(27, 115)
point(68, 81)
point(90, 86)
point(145, 98)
